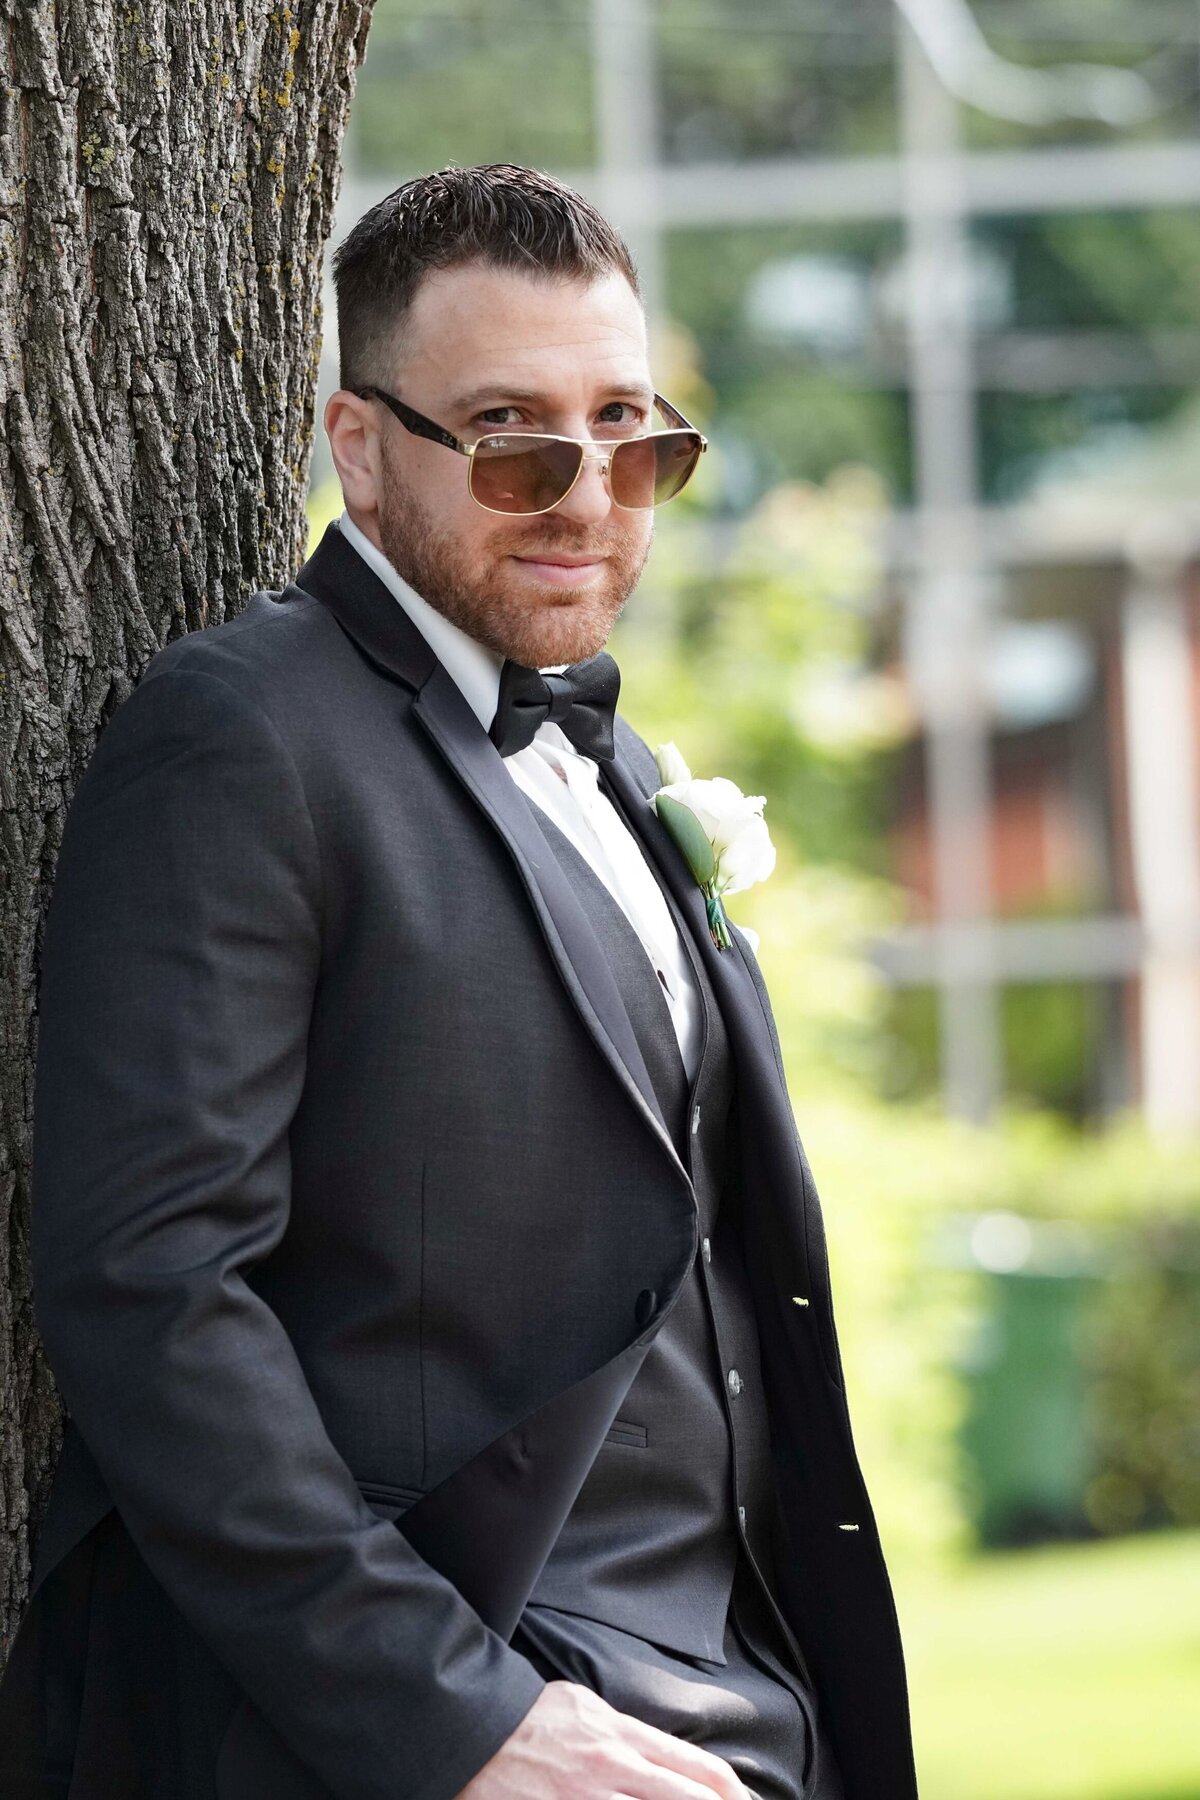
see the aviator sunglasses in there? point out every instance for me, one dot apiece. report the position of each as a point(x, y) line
point(531, 471)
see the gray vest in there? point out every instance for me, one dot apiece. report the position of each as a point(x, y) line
point(684, 1476)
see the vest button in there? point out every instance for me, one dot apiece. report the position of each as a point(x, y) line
point(736, 1383)
point(646, 1302)
point(706, 1250)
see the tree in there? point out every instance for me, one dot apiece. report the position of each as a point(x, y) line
point(169, 173)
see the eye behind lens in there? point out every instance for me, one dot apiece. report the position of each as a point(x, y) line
point(648, 471)
point(523, 472)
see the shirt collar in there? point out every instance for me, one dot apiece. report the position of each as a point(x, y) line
point(475, 667)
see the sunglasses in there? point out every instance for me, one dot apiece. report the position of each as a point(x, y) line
point(532, 471)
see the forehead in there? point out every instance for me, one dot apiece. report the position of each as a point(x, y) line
point(475, 325)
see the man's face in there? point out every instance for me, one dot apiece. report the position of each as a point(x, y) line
point(496, 350)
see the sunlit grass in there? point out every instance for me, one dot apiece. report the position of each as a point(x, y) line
point(1063, 1673)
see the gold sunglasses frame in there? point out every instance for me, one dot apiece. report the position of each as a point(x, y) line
point(420, 426)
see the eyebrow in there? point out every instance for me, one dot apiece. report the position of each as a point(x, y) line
point(465, 403)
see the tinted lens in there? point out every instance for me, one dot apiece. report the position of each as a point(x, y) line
point(647, 471)
point(522, 474)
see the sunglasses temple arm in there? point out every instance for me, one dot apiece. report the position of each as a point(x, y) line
point(673, 413)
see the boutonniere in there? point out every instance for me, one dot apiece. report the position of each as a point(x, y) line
point(721, 832)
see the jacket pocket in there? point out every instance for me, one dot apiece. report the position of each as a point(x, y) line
point(627, 1432)
point(387, 1500)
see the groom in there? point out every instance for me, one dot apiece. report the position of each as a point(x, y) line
point(421, 1238)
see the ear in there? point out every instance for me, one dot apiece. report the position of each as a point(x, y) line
point(352, 426)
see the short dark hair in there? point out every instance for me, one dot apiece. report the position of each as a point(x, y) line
point(498, 213)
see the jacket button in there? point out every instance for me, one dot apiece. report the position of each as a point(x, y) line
point(646, 1302)
point(735, 1382)
point(706, 1250)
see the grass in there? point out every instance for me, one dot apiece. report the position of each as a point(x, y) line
point(1061, 1673)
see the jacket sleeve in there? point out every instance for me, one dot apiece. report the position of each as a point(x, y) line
point(181, 955)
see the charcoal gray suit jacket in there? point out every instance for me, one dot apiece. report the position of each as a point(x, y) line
point(351, 1193)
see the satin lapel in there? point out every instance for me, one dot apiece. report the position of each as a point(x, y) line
point(732, 981)
point(455, 729)
point(337, 576)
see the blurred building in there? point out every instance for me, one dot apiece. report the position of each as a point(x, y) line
point(957, 241)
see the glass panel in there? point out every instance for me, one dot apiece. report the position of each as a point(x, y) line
point(522, 472)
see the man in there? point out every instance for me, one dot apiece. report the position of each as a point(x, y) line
point(421, 1241)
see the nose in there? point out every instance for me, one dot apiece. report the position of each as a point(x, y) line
point(590, 501)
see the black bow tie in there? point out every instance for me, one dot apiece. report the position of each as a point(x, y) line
point(581, 700)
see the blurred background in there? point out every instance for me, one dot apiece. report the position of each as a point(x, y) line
point(926, 273)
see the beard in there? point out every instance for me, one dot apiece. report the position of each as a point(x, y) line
point(493, 599)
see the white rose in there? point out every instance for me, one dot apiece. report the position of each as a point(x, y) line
point(721, 833)
point(734, 825)
point(671, 766)
point(747, 856)
point(714, 801)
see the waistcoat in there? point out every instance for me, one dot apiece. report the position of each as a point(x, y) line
point(682, 1484)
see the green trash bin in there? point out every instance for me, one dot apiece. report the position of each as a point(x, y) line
point(1025, 1433)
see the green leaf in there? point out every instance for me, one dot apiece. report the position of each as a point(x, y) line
point(689, 834)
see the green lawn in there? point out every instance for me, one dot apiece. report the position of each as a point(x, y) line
point(1064, 1673)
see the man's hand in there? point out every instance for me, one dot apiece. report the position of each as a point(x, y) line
point(572, 1745)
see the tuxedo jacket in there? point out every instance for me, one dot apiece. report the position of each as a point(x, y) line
point(349, 1191)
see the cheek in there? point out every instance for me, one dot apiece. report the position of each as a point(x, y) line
point(458, 521)
point(485, 541)
point(435, 481)
point(639, 533)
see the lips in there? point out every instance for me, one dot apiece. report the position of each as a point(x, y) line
point(563, 571)
point(565, 562)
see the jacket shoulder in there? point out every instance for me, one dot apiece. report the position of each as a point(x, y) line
point(259, 650)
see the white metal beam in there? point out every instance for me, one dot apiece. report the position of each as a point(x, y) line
point(945, 623)
point(1016, 950)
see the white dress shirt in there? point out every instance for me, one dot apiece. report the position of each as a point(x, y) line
point(563, 782)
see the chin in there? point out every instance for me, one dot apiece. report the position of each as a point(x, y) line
point(537, 656)
point(560, 633)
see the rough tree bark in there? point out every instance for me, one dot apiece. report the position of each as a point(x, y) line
point(168, 170)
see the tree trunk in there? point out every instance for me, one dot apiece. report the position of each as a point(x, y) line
point(169, 170)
